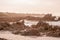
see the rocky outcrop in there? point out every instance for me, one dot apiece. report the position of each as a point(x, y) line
point(30, 32)
point(40, 29)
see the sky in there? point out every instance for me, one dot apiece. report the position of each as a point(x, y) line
point(31, 6)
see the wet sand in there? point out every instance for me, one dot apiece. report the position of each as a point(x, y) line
point(10, 36)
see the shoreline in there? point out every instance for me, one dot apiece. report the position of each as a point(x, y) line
point(11, 36)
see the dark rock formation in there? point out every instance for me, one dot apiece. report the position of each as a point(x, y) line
point(2, 39)
point(30, 32)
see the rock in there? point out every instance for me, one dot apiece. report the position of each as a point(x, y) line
point(31, 32)
point(53, 34)
point(2, 39)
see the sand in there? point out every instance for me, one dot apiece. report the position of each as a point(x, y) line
point(8, 35)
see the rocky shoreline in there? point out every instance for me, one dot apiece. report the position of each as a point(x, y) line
point(40, 29)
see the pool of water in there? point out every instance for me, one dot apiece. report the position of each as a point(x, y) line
point(56, 23)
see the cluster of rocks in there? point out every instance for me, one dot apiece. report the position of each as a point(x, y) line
point(14, 28)
point(40, 29)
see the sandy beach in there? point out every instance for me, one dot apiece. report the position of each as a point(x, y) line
point(10, 36)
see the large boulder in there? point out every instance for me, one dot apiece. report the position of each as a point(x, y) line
point(4, 26)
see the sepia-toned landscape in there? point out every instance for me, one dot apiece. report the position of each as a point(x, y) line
point(15, 26)
point(29, 19)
